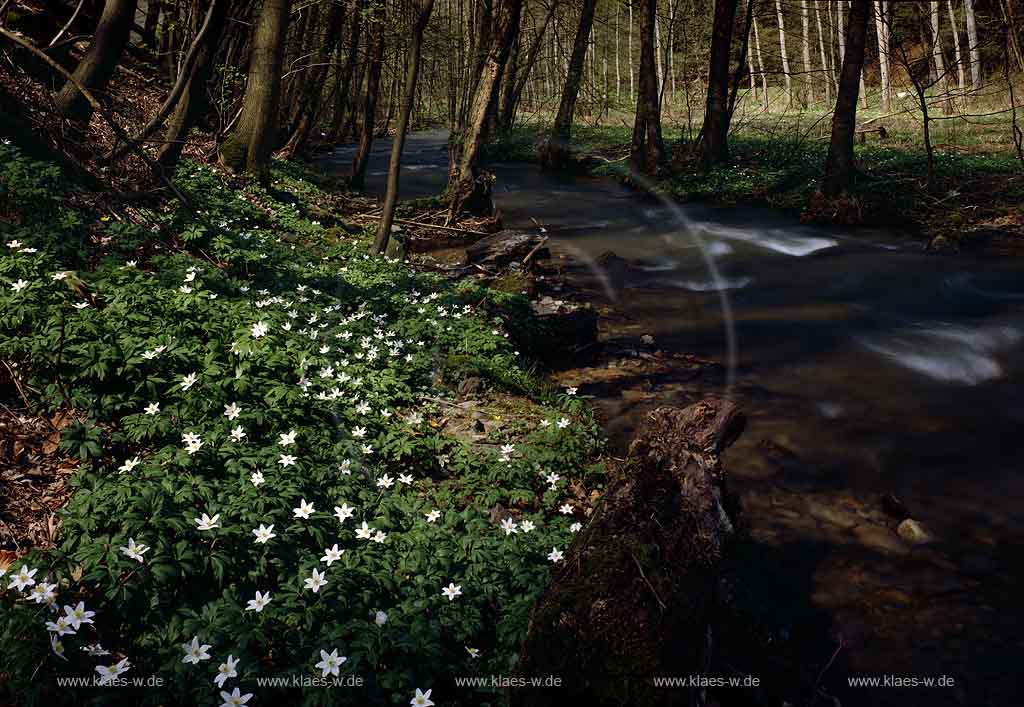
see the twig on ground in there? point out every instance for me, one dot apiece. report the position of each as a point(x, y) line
point(651, 586)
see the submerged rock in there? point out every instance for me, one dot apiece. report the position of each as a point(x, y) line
point(635, 592)
point(913, 532)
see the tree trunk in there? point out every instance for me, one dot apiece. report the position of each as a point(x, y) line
point(961, 79)
point(760, 68)
point(206, 28)
point(882, 32)
point(194, 101)
point(637, 593)
point(647, 149)
point(805, 17)
point(532, 55)
point(629, 49)
point(466, 188)
point(670, 51)
point(342, 100)
point(785, 58)
point(839, 166)
point(659, 69)
point(555, 153)
point(940, 64)
point(840, 35)
point(714, 140)
point(618, 74)
point(100, 60)
point(973, 48)
point(825, 70)
point(250, 146)
point(311, 91)
point(751, 74)
point(152, 17)
point(507, 99)
point(422, 8)
point(368, 113)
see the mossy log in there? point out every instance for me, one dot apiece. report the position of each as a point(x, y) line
point(633, 598)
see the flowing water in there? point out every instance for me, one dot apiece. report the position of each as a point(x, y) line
point(866, 368)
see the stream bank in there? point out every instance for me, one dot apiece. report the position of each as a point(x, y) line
point(974, 206)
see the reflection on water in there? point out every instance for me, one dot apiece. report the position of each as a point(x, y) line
point(867, 368)
point(711, 284)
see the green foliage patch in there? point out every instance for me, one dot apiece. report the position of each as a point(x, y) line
point(263, 470)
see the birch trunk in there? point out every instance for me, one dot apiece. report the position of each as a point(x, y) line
point(973, 48)
point(882, 32)
point(760, 67)
point(961, 79)
point(805, 18)
point(821, 49)
point(629, 58)
point(785, 58)
point(940, 65)
point(618, 73)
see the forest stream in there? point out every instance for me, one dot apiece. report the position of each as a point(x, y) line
point(880, 383)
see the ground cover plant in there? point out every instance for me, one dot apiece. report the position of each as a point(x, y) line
point(264, 485)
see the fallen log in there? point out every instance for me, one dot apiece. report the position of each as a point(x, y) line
point(633, 597)
point(504, 247)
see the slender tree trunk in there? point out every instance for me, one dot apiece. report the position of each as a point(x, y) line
point(961, 79)
point(973, 48)
point(250, 146)
point(882, 32)
point(1013, 47)
point(422, 8)
point(760, 68)
point(618, 74)
point(368, 113)
point(670, 50)
point(507, 98)
point(465, 187)
point(647, 149)
point(658, 53)
point(629, 59)
point(100, 60)
point(342, 101)
point(312, 91)
point(839, 165)
point(555, 153)
point(785, 57)
point(841, 36)
point(203, 26)
point(751, 74)
point(534, 53)
point(714, 136)
point(152, 17)
point(940, 64)
point(805, 18)
point(825, 70)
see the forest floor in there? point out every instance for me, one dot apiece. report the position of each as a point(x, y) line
point(975, 203)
